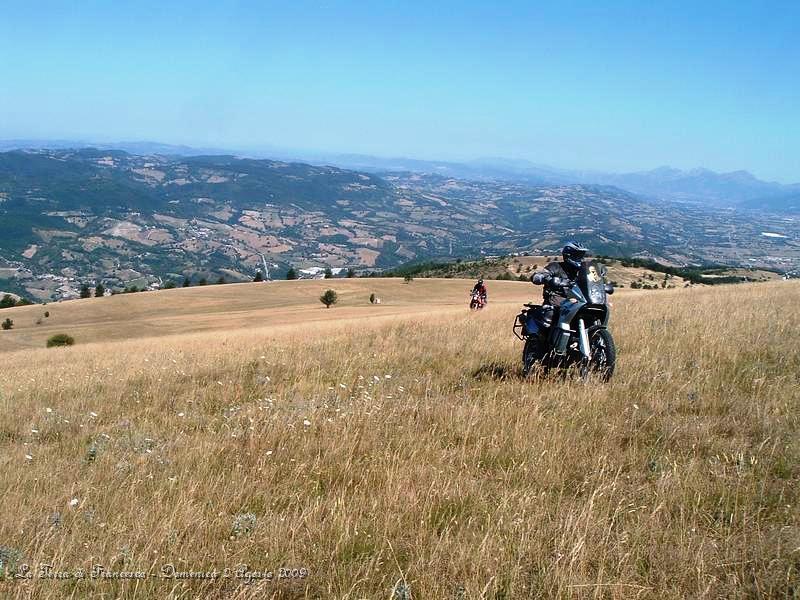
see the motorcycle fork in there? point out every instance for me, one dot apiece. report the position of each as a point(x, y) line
point(583, 340)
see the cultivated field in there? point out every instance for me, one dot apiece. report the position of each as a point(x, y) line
point(399, 455)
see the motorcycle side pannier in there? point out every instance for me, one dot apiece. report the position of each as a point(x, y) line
point(538, 318)
point(544, 315)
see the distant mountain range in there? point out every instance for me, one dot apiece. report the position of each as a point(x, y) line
point(102, 215)
point(738, 189)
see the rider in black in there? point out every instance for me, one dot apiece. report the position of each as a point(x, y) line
point(557, 275)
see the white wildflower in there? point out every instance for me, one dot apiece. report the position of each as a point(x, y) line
point(306, 422)
point(48, 410)
point(28, 457)
point(73, 502)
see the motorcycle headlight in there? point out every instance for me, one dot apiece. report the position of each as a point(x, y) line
point(597, 295)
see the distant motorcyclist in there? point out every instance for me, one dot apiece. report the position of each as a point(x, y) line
point(480, 289)
point(558, 275)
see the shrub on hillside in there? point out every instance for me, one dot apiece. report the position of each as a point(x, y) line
point(7, 324)
point(60, 339)
point(329, 298)
point(8, 301)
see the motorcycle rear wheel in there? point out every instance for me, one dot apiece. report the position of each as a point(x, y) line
point(534, 356)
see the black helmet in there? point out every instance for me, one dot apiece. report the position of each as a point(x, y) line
point(480, 281)
point(573, 254)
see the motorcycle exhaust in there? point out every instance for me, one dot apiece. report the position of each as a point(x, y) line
point(583, 340)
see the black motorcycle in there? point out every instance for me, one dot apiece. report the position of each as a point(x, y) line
point(574, 333)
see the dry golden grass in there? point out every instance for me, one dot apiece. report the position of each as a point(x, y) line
point(230, 307)
point(408, 449)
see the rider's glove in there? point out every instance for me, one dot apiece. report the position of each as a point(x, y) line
point(541, 278)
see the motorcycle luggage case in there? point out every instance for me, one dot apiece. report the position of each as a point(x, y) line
point(543, 315)
point(538, 318)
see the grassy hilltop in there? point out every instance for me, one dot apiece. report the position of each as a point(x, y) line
point(399, 454)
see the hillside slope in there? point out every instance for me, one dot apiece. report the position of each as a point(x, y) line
point(289, 305)
point(86, 216)
point(380, 455)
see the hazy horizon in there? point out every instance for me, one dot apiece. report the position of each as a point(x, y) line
point(619, 88)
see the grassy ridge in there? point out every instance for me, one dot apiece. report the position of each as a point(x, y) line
point(411, 451)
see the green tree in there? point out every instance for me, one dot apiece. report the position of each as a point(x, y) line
point(169, 285)
point(7, 301)
point(329, 298)
point(85, 291)
point(258, 277)
point(99, 290)
point(221, 280)
point(186, 282)
point(291, 273)
point(351, 273)
point(7, 324)
point(203, 281)
point(328, 273)
point(408, 279)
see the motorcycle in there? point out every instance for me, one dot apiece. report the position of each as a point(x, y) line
point(477, 301)
point(574, 333)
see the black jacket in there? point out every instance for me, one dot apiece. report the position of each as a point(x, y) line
point(553, 277)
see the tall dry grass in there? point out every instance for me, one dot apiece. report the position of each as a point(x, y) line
point(409, 460)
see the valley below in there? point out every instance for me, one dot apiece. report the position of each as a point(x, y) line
point(75, 217)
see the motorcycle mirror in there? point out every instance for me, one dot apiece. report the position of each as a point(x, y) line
point(609, 288)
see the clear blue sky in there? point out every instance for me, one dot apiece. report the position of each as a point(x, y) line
point(594, 85)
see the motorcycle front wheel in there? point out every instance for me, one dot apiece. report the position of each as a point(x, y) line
point(604, 355)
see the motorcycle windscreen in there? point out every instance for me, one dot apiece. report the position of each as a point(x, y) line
point(592, 282)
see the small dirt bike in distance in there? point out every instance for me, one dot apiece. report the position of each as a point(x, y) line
point(477, 301)
point(574, 333)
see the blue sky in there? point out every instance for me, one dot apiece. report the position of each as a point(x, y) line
point(594, 85)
